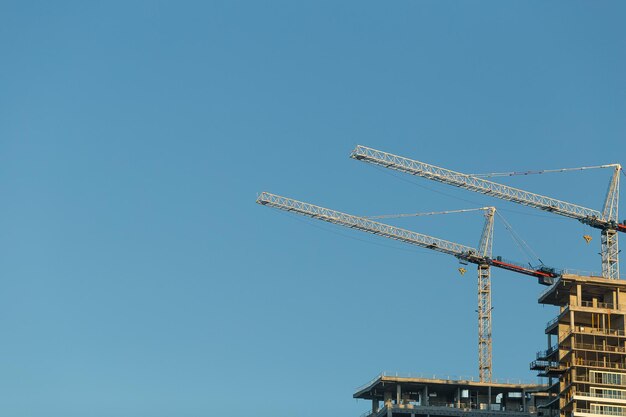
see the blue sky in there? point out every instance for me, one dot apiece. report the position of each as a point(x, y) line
point(139, 278)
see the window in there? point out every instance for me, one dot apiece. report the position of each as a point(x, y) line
point(616, 394)
point(610, 378)
point(611, 410)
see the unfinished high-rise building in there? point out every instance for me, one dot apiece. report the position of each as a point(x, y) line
point(586, 356)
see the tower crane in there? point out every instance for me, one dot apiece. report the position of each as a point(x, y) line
point(607, 220)
point(482, 257)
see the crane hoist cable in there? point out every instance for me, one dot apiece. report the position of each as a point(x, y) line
point(431, 213)
point(543, 171)
point(313, 223)
point(521, 243)
point(419, 184)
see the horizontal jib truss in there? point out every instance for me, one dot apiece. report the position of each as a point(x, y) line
point(365, 225)
point(468, 182)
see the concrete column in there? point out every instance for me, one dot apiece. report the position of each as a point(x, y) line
point(388, 398)
point(489, 397)
point(524, 400)
point(374, 406)
point(398, 395)
point(571, 320)
point(579, 297)
point(426, 401)
point(458, 397)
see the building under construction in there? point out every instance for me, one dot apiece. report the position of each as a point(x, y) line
point(585, 360)
point(588, 361)
point(584, 365)
point(411, 397)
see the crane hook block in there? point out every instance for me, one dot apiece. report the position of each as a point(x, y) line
point(462, 270)
point(587, 238)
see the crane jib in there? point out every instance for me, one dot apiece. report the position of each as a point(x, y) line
point(538, 273)
point(413, 238)
point(604, 225)
point(586, 215)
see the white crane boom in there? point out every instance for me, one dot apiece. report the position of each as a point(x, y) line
point(468, 182)
point(366, 225)
point(476, 256)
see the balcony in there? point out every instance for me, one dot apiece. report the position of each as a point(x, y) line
point(598, 304)
point(600, 364)
point(540, 365)
point(600, 348)
point(547, 368)
point(590, 396)
point(585, 412)
point(596, 381)
point(589, 330)
point(545, 354)
point(553, 325)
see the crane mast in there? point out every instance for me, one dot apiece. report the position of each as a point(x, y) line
point(484, 299)
point(481, 257)
point(607, 221)
point(608, 236)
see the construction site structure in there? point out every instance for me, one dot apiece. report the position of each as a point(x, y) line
point(586, 364)
point(407, 396)
point(585, 368)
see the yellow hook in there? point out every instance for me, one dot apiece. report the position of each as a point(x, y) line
point(462, 270)
point(587, 238)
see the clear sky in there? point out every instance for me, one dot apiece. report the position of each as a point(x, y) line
point(139, 278)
